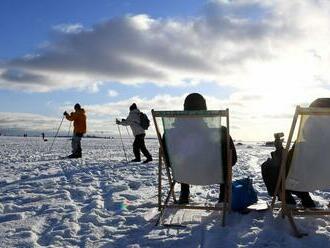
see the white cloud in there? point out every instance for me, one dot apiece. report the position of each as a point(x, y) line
point(94, 87)
point(249, 120)
point(110, 111)
point(100, 118)
point(24, 122)
point(121, 108)
point(69, 28)
point(112, 93)
point(246, 44)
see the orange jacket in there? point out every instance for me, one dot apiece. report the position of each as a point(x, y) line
point(79, 121)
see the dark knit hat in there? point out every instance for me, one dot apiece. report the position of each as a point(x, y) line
point(77, 106)
point(321, 103)
point(132, 107)
point(195, 101)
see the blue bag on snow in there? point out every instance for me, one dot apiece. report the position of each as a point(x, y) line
point(243, 194)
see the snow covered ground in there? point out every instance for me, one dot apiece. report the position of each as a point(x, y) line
point(100, 201)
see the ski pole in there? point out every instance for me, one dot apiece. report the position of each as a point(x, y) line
point(122, 143)
point(58, 129)
point(128, 133)
point(69, 129)
point(69, 134)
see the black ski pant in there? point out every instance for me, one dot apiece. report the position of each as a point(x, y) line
point(76, 143)
point(139, 145)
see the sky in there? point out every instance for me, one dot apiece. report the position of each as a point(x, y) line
point(258, 58)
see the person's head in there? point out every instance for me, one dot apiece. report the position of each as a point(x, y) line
point(194, 101)
point(77, 106)
point(321, 103)
point(132, 107)
point(313, 124)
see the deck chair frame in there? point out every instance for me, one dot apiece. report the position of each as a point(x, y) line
point(162, 205)
point(281, 181)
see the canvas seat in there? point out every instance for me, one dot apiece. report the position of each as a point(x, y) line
point(309, 169)
point(191, 150)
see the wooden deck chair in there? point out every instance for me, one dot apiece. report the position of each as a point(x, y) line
point(193, 154)
point(309, 169)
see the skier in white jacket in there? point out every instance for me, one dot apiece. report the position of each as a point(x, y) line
point(133, 120)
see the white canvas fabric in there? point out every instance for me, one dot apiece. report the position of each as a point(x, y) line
point(310, 166)
point(194, 149)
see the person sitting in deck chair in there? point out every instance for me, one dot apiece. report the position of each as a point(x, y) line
point(311, 122)
point(270, 170)
point(194, 102)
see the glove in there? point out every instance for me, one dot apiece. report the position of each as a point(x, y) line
point(65, 113)
point(117, 121)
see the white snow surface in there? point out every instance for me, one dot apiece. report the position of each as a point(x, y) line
point(101, 201)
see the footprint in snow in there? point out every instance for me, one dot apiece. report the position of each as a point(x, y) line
point(134, 185)
point(130, 197)
point(10, 217)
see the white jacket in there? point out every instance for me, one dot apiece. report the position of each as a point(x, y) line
point(133, 120)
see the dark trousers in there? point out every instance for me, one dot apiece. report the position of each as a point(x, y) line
point(139, 145)
point(305, 198)
point(76, 143)
point(185, 191)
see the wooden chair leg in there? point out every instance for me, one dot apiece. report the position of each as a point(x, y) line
point(159, 220)
point(224, 214)
point(159, 181)
point(297, 233)
point(168, 173)
point(226, 205)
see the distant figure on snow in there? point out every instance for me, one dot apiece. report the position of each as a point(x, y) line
point(133, 120)
point(43, 137)
point(79, 128)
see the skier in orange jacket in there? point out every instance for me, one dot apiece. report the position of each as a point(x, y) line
point(79, 128)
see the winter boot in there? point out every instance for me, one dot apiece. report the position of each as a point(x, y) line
point(135, 160)
point(74, 155)
point(147, 160)
point(183, 199)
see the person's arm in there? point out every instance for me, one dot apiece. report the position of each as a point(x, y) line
point(129, 120)
point(233, 151)
point(124, 122)
point(69, 117)
point(231, 146)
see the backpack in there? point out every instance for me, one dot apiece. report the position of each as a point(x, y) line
point(144, 121)
point(243, 194)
